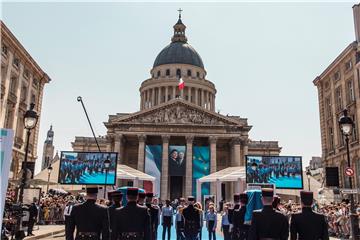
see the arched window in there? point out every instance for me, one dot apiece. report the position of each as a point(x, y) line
point(189, 73)
point(167, 72)
point(178, 72)
point(158, 73)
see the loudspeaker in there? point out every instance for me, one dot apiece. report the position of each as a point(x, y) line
point(332, 176)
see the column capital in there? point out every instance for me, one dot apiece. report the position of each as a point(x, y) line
point(189, 138)
point(165, 138)
point(236, 141)
point(213, 139)
point(142, 137)
point(118, 137)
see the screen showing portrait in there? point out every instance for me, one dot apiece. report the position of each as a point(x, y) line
point(177, 160)
point(285, 172)
point(82, 168)
point(153, 155)
point(201, 168)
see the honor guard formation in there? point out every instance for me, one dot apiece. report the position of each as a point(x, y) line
point(140, 215)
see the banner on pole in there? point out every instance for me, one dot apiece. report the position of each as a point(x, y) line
point(6, 143)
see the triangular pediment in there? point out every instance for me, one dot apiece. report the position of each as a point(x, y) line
point(176, 112)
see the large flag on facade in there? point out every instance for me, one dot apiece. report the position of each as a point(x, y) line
point(181, 84)
point(6, 142)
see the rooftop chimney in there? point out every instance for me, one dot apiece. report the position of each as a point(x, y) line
point(356, 9)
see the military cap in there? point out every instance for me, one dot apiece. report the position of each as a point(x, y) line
point(307, 197)
point(132, 191)
point(92, 189)
point(236, 197)
point(142, 195)
point(243, 198)
point(149, 194)
point(191, 198)
point(267, 192)
point(117, 195)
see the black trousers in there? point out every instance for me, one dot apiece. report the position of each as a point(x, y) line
point(167, 228)
point(31, 224)
point(212, 234)
point(226, 232)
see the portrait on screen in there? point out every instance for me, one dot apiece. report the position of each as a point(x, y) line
point(177, 160)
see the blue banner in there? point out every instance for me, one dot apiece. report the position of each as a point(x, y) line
point(201, 168)
point(153, 156)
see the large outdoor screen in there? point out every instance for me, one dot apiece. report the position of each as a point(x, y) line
point(82, 168)
point(282, 171)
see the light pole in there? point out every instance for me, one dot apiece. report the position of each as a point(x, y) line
point(30, 121)
point(308, 175)
point(346, 126)
point(106, 166)
point(49, 172)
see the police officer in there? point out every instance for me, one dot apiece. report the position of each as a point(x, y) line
point(191, 220)
point(268, 223)
point(154, 214)
point(236, 198)
point(89, 219)
point(307, 224)
point(131, 222)
point(116, 198)
point(240, 230)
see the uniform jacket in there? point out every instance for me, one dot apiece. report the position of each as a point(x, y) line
point(88, 217)
point(131, 219)
point(231, 211)
point(268, 223)
point(308, 225)
point(191, 220)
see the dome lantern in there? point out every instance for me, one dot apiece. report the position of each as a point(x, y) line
point(179, 30)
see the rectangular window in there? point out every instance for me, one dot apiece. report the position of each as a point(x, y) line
point(348, 65)
point(16, 62)
point(328, 107)
point(23, 93)
point(354, 130)
point(338, 99)
point(4, 49)
point(13, 84)
point(350, 92)
point(331, 139)
point(337, 76)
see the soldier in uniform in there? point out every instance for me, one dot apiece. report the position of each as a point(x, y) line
point(236, 206)
point(191, 220)
point(307, 224)
point(141, 198)
point(89, 219)
point(116, 198)
point(131, 222)
point(268, 223)
point(240, 230)
point(154, 215)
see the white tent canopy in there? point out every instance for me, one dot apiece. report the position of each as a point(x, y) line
point(123, 172)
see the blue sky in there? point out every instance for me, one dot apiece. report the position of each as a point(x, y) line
point(262, 57)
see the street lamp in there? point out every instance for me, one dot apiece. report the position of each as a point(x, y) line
point(346, 125)
point(308, 175)
point(30, 121)
point(49, 172)
point(106, 166)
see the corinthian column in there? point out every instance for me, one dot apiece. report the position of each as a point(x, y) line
point(117, 146)
point(189, 165)
point(141, 152)
point(164, 167)
point(213, 167)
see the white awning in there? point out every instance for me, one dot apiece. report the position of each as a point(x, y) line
point(126, 172)
point(230, 174)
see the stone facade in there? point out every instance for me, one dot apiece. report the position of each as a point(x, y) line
point(169, 116)
point(339, 88)
point(22, 83)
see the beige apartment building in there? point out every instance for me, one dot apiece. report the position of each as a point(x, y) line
point(339, 88)
point(22, 83)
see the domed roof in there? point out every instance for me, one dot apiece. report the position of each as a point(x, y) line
point(178, 52)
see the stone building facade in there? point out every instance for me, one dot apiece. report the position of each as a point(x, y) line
point(169, 116)
point(339, 88)
point(22, 83)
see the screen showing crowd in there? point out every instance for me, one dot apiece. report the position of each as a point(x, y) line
point(88, 168)
point(283, 171)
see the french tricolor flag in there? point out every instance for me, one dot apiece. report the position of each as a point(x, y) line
point(181, 84)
